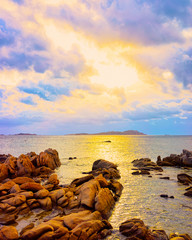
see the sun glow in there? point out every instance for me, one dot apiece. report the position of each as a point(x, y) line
point(115, 75)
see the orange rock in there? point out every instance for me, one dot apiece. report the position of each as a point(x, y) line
point(88, 192)
point(15, 201)
point(134, 228)
point(53, 179)
point(104, 202)
point(49, 158)
point(89, 229)
point(56, 194)
point(15, 189)
point(73, 219)
point(41, 193)
point(31, 186)
point(9, 233)
point(11, 163)
point(21, 180)
point(7, 186)
point(5, 207)
point(3, 172)
point(45, 203)
point(27, 194)
point(33, 203)
point(36, 232)
point(24, 166)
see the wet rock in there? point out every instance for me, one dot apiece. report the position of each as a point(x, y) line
point(56, 194)
point(79, 181)
point(49, 158)
point(45, 203)
point(176, 236)
point(136, 173)
point(6, 219)
point(21, 180)
point(31, 186)
point(166, 178)
point(15, 201)
point(3, 172)
point(134, 228)
point(36, 232)
point(6, 208)
point(3, 157)
point(9, 233)
point(28, 227)
point(116, 187)
point(53, 179)
point(27, 194)
point(164, 196)
point(74, 219)
point(11, 163)
point(182, 160)
point(146, 164)
point(188, 193)
point(33, 203)
point(184, 178)
point(24, 166)
point(42, 171)
point(7, 186)
point(88, 192)
point(15, 189)
point(102, 181)
point(101, 163)
point(41, 193)
point(158, 235)
point(104, 202)
point(89, 229)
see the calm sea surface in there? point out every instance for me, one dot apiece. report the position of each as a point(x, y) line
point(140, 197)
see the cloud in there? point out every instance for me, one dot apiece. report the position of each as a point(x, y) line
point(94, 62)
point(18, 121)
point(28, 101)
point(45, 91)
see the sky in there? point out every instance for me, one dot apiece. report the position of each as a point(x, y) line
point(95, 65)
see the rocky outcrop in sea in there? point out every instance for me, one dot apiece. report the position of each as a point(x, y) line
point(81, 209)
point(174, 160)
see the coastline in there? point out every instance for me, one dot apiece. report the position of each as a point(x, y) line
point(133, 185)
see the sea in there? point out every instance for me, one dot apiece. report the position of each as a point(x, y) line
point(141, 195)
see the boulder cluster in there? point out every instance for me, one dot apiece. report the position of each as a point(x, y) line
point(182, 160)
point(84, 206)
point(144, 166)
point(136, 229)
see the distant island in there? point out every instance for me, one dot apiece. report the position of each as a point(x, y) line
point(21, 134)
point(128, 132)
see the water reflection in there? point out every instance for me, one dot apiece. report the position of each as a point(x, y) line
point(140, 197)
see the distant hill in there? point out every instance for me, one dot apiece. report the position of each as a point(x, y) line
point(128, 132)
point(21, 134)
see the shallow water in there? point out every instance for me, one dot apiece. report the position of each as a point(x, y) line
point(141, 194)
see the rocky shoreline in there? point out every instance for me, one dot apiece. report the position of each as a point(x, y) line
point(34, 206)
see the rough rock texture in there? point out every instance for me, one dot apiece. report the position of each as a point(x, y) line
point(184, 178)
point(145, 164)
point(49, 158)
point(77, 211)
point(101, 163)
point(136, 229)
point(182, 160)
point(8, 233)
